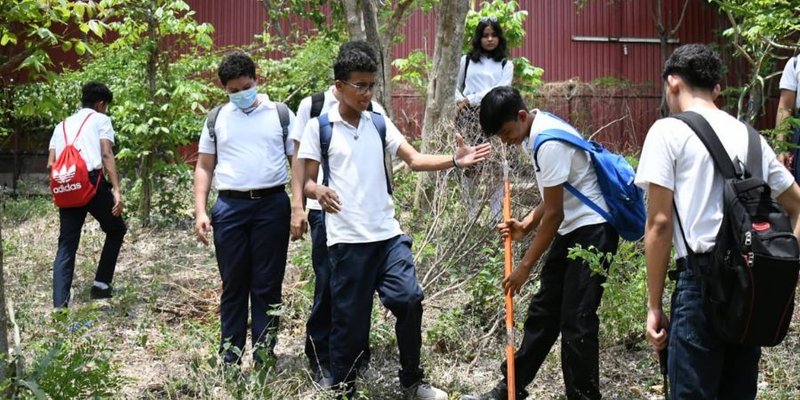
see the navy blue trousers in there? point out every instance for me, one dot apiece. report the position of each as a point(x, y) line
point(566, 304)
point(71, 222)
point(700, 364)
point(318, 327)
point(251, 238)
point(357, 271)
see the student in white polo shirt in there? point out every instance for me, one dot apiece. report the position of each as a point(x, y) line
point(684, 206)
point(368, 250)
point(318, 327)
point(95, 141)
point(246, 159)
point(569, 293)
point(789, 106)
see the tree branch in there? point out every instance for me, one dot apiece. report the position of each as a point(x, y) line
point(275, 23)
point(680, 20)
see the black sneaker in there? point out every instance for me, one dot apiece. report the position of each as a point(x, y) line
point(97, 293)
point(499, 392)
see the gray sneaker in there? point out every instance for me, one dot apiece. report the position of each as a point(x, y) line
point(424, 391)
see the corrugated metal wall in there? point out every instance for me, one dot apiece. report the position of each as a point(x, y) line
point(553, 42)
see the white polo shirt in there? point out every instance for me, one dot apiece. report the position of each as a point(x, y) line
point(357, 176)
point(304, 114)
point(790, 78)
point(97, 127)
point(674, 157)
point(560, 163)
point(251, 151)
point(482, 76)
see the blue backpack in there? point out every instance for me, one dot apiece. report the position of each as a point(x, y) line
point(614, 176)
point(325, 133)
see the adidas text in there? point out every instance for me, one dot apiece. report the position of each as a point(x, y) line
point(67, 188)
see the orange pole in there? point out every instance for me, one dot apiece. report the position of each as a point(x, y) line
point(512, 387)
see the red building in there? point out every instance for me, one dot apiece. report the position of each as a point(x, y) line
point(607, 55)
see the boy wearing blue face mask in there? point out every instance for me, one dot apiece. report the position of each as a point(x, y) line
point(247, 155)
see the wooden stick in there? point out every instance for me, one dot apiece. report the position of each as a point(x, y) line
point(511, 371)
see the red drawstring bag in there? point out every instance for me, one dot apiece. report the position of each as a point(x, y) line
point(69, 176)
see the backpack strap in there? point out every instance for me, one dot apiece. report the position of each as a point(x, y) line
point(211, 124)
point(325, 133)
point(380, 125)
point(581, 144)
point(283, 116)
point(317, 101)
point(710, 139)
point(80, 129)
point(557, 134)
point(464, 79)
point(503, 63)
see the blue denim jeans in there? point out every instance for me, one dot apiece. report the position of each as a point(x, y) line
point(700, 365)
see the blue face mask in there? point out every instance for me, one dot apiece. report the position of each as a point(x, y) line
point(244, 99)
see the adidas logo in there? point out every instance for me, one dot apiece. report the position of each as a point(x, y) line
point(65, 174)
point(67, 188)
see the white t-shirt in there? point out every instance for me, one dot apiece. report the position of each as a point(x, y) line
point(304, 114)
point(674, 157)
point(559, 163)
point(252, 152)
point(790, 78)
point(357, 176)
point(482, 76)
point(97, 127)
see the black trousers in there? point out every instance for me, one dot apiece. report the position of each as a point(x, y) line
point(71, 222)
point(566, 304)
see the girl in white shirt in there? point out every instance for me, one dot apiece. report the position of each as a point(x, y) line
point(481, 70)
point(485, 66)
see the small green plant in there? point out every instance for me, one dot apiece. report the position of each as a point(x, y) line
point(622, 312)
point(74, 362)
point(485, 289)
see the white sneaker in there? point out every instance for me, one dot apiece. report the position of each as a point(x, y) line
point(424, 391)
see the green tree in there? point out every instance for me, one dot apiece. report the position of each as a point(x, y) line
point(761, 32)
point(29, 28)
point(145, 26)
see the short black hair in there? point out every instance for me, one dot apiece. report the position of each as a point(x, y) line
point(353, 59)
point(361, 45)
point(500, 105)
point(697, 64)
point(236, 65)
point(94, 91)
point(499, 53)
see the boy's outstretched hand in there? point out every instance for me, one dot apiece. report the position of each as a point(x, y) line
point(470, 155)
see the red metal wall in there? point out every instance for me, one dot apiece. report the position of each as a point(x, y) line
point(551, 27)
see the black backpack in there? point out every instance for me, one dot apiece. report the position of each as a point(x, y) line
point(283, 116)
point(749, 284)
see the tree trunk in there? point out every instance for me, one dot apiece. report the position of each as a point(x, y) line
point(4, 356)
point(275, 24)
point(442, 80)
point(354, 20)
point(373, 37)
point(146, 164)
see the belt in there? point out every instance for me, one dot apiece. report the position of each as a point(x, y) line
point(682, 264)
point(251, 194)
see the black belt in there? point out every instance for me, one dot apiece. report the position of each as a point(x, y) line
point(251, 194)
point(682, 264)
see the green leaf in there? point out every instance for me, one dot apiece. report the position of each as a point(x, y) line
point(8, 37)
